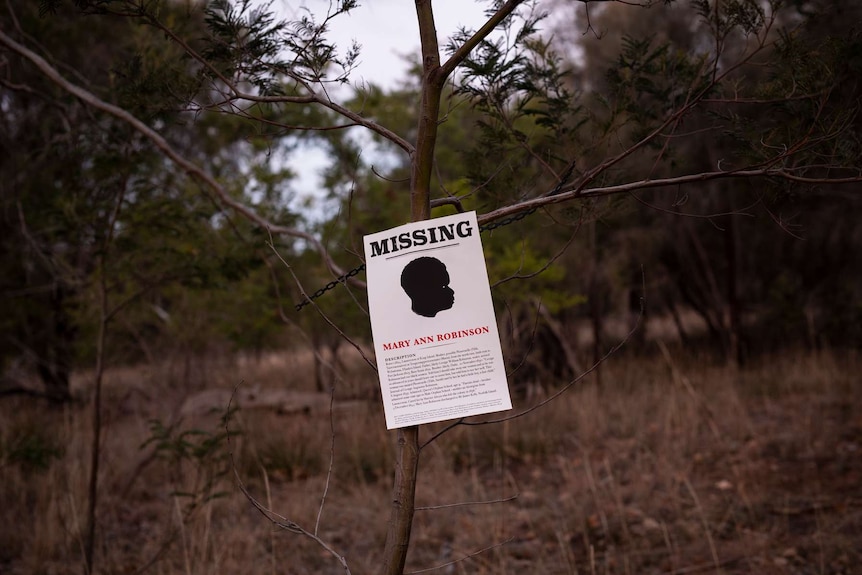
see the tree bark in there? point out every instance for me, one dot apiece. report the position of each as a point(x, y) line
point(407, 457)
point(403, 501)
point(422, 162)
point(96, 445)
point(429, 112)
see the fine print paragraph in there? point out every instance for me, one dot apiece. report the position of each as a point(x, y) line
point(416, 380)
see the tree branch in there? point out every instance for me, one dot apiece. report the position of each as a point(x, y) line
point(157, 140)
point(468, 503)
point(278, 520)
point(573, 191)
point(312, 98)
point(461, 53)
point(464, 558)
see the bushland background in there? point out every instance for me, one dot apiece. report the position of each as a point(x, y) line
point(153, 359)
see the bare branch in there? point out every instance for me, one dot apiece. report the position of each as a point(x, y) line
point(736, 212)
point(312, 97)
point(573, 191)
point(384, 178)
point(278, 520)
point(532, 340)
point(474, 554)
point(467, 503)
point(325, 317)
point(569, 385)
point(551, 260)
point(461, 53)
point(448, 427)
point(331, 461)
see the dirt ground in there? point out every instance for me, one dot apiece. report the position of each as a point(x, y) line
point(670, 466)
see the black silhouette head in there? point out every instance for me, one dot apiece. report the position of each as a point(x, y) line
point(426, 282)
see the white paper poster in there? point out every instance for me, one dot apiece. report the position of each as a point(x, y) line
point(433, 323)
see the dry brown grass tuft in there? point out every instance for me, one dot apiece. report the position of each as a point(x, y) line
point(675, 465)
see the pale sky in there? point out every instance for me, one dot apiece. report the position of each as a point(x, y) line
point(387, 30)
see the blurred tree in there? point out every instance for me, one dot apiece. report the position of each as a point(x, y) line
point(65, 173)
point(786, 103)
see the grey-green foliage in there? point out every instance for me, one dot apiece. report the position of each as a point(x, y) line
point(517, 82)
point(247, 42)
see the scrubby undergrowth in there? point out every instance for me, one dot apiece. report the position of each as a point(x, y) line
point(674, 465)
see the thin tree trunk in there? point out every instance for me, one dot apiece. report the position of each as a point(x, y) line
point(335, 358)
point(55, 355)
point(677, 321)
point(407, 455)
point(319, 367)
point(433, 79)
point(105, 315)
point(403, 501)
point(595, 305)
point(96, 446)
point(735, 352)
point(557, 331)
point(713, 300)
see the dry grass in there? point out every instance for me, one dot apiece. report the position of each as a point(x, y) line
point(673, 466)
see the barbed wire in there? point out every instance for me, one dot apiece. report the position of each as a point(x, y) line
point(331, 285)
point(355, 271)
point(486, 228)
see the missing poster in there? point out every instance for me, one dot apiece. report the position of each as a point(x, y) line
point(433, 323)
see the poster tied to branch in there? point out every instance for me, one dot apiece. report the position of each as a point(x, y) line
point(433, 324)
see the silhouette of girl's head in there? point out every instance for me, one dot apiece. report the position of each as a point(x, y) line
point(426, 282)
